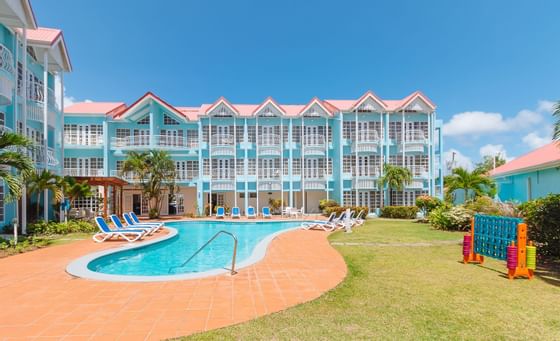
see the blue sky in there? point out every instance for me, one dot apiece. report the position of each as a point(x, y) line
point(492, 67)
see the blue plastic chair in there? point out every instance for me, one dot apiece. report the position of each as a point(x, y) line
point(220, 212)
point(235, 212)
point(251, 212)
point(266, 212)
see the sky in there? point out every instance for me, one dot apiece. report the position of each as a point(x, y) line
point(491, 67)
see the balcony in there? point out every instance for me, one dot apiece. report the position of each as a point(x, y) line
point(365, 184)
point(130, 142)
point(269, 144)
point(83, 172)
point(314, 144)
point(75, 139)
point(128, 176)
point(314, 178)
point(416, 184)
point(223, 179)
point(366, 172)
point(367, 141)
point(35, 98)
point(7, 75)
point(414, 141)
point(186, 175)
point(419, 172)
point(222, 145)
point(269, 179)
point(38, 156)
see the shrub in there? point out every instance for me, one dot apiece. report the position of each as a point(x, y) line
point(483, 205)
point(456, 218)
point(427, 203)
point(543, 221)
point(399, 212)
point(52, 227)
point(323, 204)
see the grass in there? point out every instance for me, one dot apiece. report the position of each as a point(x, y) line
point(27, 244)
point(414, 293)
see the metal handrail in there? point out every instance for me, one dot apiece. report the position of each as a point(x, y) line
point(233, 272)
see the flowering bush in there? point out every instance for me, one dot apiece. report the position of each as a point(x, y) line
point(427, 203)
point(456, 218)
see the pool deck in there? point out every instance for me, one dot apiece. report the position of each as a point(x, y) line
point(39, 300)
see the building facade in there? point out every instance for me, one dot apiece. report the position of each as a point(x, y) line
point(32, 60)
point(244, 155)
point(530, 176)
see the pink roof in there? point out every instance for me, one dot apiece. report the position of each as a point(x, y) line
point(93, 107)
point(43, 34)
point(541, 157)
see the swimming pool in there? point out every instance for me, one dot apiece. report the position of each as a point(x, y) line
point(162, 260)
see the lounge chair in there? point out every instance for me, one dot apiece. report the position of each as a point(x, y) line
point(235, 212)
point(287, 211)
point(359, 220)
point(220, 212)
point(119, 225)
point(137, 221)
point(328, 225)
point(132, 224)
point(108, 233)
point(266, 212)
point(251, 212)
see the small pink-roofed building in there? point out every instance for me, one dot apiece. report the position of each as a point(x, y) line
point(530, 176)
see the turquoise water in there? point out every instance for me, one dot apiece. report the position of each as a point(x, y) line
point(156, 259)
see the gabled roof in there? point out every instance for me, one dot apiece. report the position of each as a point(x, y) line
point(17, 14)
point(328, 108)
point(416, 95)
point(52, 39)
point(100, 108)
point(272, 102)
point(540, 158)
point(222, 101)
point(368, 95)
point(148, 96)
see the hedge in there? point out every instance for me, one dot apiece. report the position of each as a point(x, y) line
point(52, 227)
point(543, 221)
point(399, 212)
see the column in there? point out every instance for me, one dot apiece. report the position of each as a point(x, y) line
point(46, 129)
point(24, 121)
point(152, 125)
point(290, 166)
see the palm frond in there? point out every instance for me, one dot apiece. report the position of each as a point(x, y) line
point(9, 139)
point(556, 114)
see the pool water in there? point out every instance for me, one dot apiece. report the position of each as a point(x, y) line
point(157, 259)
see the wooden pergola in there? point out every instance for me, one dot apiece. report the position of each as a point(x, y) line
point(107, 181)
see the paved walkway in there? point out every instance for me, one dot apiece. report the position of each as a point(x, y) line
point(39, 300)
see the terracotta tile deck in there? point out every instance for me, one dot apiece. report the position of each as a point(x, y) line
point(39, 300)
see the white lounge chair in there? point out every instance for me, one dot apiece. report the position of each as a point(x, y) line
point(251, 212)
point(235, 212)
point(119, 225)
point(132, 224)
point(137, 221)
point(327, 225)
point(108, 233)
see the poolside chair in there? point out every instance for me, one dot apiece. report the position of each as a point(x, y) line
point(132, 224)
point(108, 233)
point(251, 212)
point(327, 225)
point(119, 225)
point(235, 212)
point(266, 212)
point(137, 221)
point(286, 211)
point(220, 212)
point(359, 219)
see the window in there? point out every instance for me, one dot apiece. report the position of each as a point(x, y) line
point(240, 167)
point(296, 167)
point(192, 169)
point(88, 203)
point(239, 133)
point(145, 120)
point(286, 167)
point(205, 133)
point(348, 163)
point(348, 130)
point(206, 166)
point(296, 134)
point(251, 167)
point(348, 198)
point(251, 134)
point(395, 131)
point(168, 120)
point(120, 165)
point(285, 132)
point(122, 133)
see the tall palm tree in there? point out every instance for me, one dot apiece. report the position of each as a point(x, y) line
point(475, 181)
point(156, 172)
point(45, 181)
point(10, 157)
point(556, 114)
point(395, 178)
point(74, 189)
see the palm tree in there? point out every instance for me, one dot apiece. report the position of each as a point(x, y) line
point(10, 157)
point(474, 181)
point(74, 189)
point(156, 172)
point(45, 181)
point(395, 178)
point(556, 114)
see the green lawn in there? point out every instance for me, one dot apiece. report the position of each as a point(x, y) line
point(415, 293)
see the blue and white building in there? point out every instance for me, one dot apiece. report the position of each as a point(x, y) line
point(245, 154)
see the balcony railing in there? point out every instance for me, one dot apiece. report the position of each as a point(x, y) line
point(186, 175)
point(271, 140)
point(419, 171)
point(83, 172)
point(415, 185)
point(314, 173)
point(364, 184)
point(270, 186)
point(38, 156)
point(7, 75)
point(131, 141)
point(222, 140)
point(35, 97)
point(366, 141)
point(269, 173)
point(314, 144)
point(128, 176)
point(223, 174)
point(170, 141)
point(366, 172)
point(77, 139)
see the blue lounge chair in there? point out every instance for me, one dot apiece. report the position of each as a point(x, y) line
point(220, 212)
point(251, 212)
point(266, 212)
point(108, 233)
point(119, 225)
point(132, 224)
point(235, 212)
point(137, 221)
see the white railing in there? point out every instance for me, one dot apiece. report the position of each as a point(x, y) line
point(83, 172)
point(366, 171)
point(314, 173)
point(415, 185)
point(7, 60)
point(223, 186)
point(364, 184)
point(367, 136)
point(269, 173)
point(270, 186)
point(313, 140)
point(128, 176)
point(80, 139)
point(222, 140)
point(268, 140)
point(223, 174)
point(7, 78)
point(415, 136)
point(38, 156)
point(186, 175)
point(419, 171)
point(170, 141)
point(131, 141)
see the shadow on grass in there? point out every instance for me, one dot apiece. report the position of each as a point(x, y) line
point(549, 272)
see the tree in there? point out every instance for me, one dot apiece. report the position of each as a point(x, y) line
point(10, 157)
point(556, 115)
point(155, 171)
point(474, 181)
point(74, 189)
point(395, 178)
point(45, 181)
point(488, 163)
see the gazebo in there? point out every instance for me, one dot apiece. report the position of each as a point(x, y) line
point(110, 184)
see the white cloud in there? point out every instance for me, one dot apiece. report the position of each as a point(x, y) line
point(546, 106)
point(535, 140)
point(454, 158)
point(478, 123)
point(68, 100)
point(493, 150)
